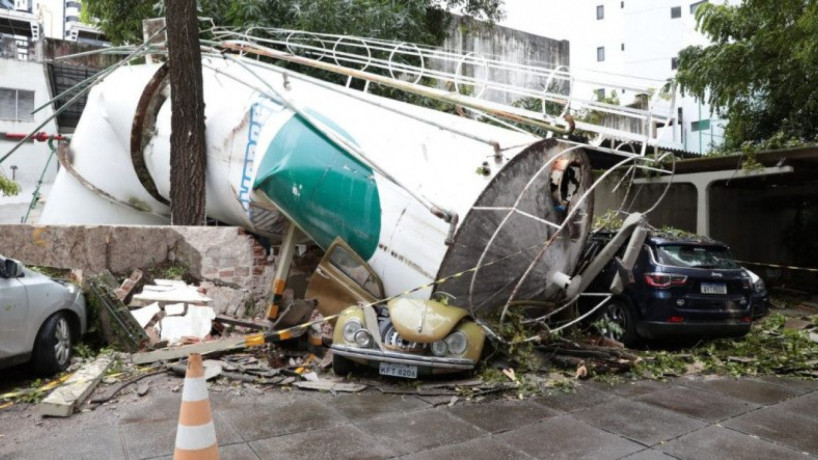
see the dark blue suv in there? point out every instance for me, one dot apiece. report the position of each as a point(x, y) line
point(681, 287)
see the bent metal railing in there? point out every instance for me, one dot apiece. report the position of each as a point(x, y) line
point(551, 98)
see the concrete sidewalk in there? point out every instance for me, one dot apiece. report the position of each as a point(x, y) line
point(684, 418)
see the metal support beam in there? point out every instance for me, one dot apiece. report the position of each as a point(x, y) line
point(285, 259)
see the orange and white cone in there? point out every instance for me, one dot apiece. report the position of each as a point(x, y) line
point(196, 434)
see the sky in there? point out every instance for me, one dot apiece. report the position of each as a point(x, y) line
point(542, 17)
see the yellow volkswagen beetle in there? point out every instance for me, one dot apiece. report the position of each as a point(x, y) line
point(403, 337)
point(406, 338)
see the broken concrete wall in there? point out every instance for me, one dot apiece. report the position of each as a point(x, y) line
point(465, 35)
point(233, 264)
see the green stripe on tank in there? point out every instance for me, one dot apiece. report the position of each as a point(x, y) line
point(327, 192)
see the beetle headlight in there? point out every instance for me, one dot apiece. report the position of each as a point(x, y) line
point(363, 338)
point(350, 328)
point(457, 343)
point(439, 348)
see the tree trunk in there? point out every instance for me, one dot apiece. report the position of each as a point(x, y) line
point(188, 153)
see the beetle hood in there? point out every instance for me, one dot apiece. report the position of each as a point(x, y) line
point(424, 321)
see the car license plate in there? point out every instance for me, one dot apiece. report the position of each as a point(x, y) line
point(399, 370)
point(714, 288)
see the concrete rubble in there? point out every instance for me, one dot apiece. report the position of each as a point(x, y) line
point(63, 400)
point(172, 313)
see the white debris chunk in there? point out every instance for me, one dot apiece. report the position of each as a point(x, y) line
point(175, 309)
point(145, 315)
point(196, 323)
point(171, 283)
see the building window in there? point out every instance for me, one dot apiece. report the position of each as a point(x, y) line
point(675, 12)
point(76, 5)
point(622, 4)
point(623, 47)
point(600, 94)
point(674, 63)
point(681, 121)
point(16, 104)
point(701, 125)
point(600, 54)
point(600, 12)
point(695, 6)
point(72, 19)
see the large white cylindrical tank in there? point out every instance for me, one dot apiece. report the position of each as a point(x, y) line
point(274, 156)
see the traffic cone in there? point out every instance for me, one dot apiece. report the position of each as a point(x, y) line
point(196, 434)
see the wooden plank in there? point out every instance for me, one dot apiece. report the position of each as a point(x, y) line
point(169, 354)
point(324, 385)
point(62, 401)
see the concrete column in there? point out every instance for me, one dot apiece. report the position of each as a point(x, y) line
point(703, 208)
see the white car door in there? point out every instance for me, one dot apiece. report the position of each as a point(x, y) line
point(13, 318)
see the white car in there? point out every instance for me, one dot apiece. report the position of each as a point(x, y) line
point(40, 318)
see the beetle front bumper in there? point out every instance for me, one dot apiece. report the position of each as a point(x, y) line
point(372, 355)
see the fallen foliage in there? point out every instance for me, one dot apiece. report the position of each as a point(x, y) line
point(769, 348)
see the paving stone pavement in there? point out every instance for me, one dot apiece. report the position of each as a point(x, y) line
point(691, 418)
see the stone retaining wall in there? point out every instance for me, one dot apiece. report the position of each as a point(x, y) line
point(224, 256)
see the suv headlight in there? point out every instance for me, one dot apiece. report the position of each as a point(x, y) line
point(350, 328)
point(457, 343)
point(756, 281)
point(759, 286)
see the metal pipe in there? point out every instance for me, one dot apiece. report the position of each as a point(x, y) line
point(139, 50)
point(35, 196)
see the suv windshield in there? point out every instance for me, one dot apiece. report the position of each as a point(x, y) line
point(688, 256)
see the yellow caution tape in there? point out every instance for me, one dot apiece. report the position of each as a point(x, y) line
point(789, 267)
point(42, 388)
point(254, 340)
point(286, 334)
point(54, 383)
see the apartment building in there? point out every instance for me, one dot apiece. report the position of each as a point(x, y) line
point(611, 39)
point(30, 37)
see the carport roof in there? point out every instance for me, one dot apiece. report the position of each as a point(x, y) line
point(801, 158)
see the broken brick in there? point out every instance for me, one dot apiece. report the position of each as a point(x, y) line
point(128, 285)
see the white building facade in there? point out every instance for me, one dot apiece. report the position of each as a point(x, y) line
point(60, 19)
point(635, 38)
point(27, 82)
point(23, 87)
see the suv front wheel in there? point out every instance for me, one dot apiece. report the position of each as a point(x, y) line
point(618, 321)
